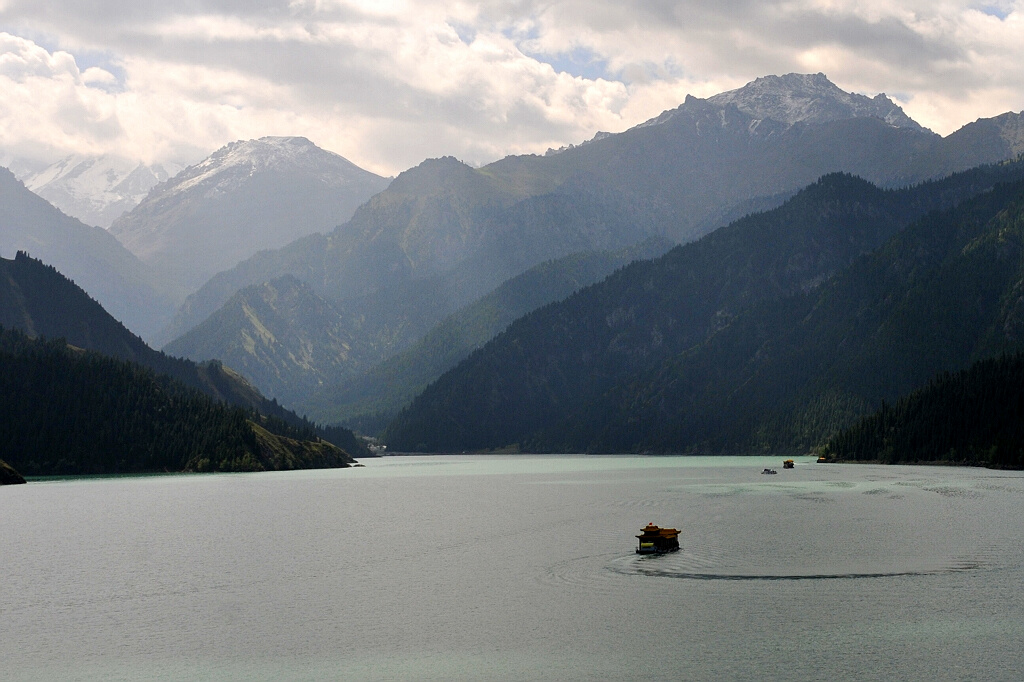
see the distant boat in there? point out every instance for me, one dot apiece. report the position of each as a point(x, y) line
point(769, 471)
point(655, 540)
point(788, 464)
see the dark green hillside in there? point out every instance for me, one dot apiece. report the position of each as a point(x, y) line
point(91, 256)
point(611, 368)
point(39, 301)
point(788, 374)
point(971, 417)
point(68, 411)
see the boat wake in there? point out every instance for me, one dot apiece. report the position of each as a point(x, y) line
point(605, 572)
point(665, 567)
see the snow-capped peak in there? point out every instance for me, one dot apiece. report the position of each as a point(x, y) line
point(234, 162)
point(96, 189)
point(810, 98)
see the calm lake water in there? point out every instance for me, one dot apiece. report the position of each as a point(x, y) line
point(505, 568)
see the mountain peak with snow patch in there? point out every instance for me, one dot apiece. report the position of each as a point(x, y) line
point(810, 98)
point(230, 166)
point(247, 196)
point(96, 189)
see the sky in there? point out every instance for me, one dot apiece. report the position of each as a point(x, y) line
point(388, 84)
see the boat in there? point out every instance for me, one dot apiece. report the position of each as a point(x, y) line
point(655, 540)
point(788, 464)
point(822, 460)
point(769, 471)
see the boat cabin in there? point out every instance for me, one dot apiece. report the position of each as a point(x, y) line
point(655, 540)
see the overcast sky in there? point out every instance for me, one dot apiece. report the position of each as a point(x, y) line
point(388, 84)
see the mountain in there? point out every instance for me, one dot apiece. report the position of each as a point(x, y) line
point(246, 197)
point(975, 416)
point(464, 231)
point(69, 411)
point(91, 256)
point(97, 190)
point(810, 98)
point(40, 302)
point(658, 355)
point(369, 400)
point(305, 350)
point(675, 175)
point(282, 335)
point(441, 228)
point(944, 293)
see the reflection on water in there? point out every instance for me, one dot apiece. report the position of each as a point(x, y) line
point(517, 568)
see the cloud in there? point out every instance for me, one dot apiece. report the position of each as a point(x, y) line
point(49, 105)
point(389, 83)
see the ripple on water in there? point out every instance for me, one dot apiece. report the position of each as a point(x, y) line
point(949, 491)
point(814, 497)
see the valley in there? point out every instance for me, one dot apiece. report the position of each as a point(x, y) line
point(719, 279)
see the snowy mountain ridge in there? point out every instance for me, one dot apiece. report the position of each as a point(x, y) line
point(798, 98)
point(247, 196)
point(96, 189)
point(228, 167)
point(810, 98)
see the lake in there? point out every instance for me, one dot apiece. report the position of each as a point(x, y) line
point(517, 568)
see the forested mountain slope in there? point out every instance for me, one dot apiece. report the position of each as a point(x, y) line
point(975, 416)
point(645, 359)
point(68, 411)
point(90, 256)
point(38, 300)
point(369, 400)
point(443, 235)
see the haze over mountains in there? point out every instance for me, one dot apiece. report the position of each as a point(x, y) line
point(347, 294)
point(96, 190)
point(450, 233)
point(246, 197)
point(767, 335)
point(324, 358)
point(89, 255)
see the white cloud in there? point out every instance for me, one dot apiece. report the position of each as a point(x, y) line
point(48, 105)
point(390, 83)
